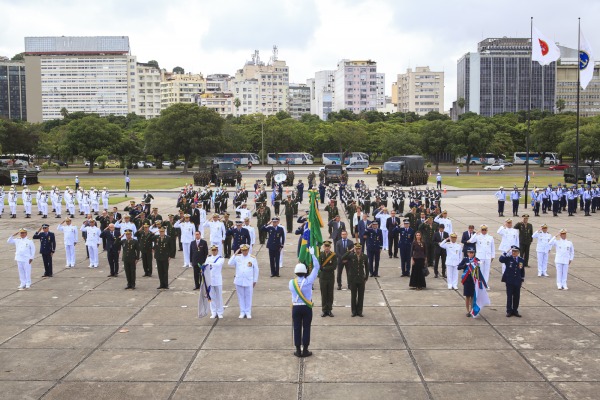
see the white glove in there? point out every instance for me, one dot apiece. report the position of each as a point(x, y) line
point(311, 250)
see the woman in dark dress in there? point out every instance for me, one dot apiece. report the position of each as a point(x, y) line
point(469, 264)
point(417, 278)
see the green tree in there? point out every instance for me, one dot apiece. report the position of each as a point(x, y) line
point(589, 141)
point(189, 130)
point(91, 137)
point(178, 70)
point(435, 136)
point(560, 105)
point(154, 63)
point(472, 136)
point(18, 57)
point(547, 134)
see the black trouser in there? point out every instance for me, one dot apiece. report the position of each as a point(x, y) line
point(405, 258)
point(178, 234)
point(439, 253)
point(500, 207)
point(515, 204)
point(162, 267)
point(340, 268)
point(392, 244)
point(302, 318)
point(289, 222)
point(513, 296)
point(326, 294)
point(563, 203)
point(103, 242)
point(147, 263)
point(274, 256)
point(129, 267)
point(587, 204)
point(525, 252)
point(373, 254)
point(439, 185)
point(197, 273)
point(430, 251)
point(113, 261)
point(262, 236)
point(555, 207)
point(47, 264)
point(357, 295)
point(536, 208)
point(276, 207)
point(173, 249)
point(227, 246)
point(147, 208)
point(571, 206)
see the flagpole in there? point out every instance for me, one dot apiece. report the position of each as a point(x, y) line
point(526, 185)
point(578, 92)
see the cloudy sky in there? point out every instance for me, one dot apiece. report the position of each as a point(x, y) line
point(211, 36)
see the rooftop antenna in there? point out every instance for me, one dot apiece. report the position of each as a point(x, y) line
point(275, 53)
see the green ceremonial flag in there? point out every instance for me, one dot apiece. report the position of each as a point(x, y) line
point(312, 235)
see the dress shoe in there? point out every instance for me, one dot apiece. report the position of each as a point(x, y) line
point(109, 276)
point(444, 275)
point(324, 314)
point(128, 288)
point(212, 316)
point(220, 316)
point(331, 314)
point(298, 353)
point(197, 288)
point(242, 316)
point(360, 315)
point(248, 316)
point(565, 288)
point(339, 288)
point(354, 314)
point(516, 314)
point(508, 315)
point(436, 276)
point(306, 353)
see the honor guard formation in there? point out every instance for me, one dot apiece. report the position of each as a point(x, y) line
point(406, 224)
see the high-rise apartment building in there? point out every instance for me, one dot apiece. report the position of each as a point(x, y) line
point(222, 103)
point(321, 93)
point(13, 97)
point(496, 78)
point(420, 91)
point(566, 85)
point(262, 88)
point(358, 87)
point(181, 88)
point(298, 100)
point(89, 74)
point(147, 101)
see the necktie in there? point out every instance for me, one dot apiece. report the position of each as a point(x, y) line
point(344, 242)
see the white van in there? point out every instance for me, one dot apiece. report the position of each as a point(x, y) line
point(357, 165)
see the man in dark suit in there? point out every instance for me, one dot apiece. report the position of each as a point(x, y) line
point(407, 235)
point(342, 246)
point(337, 227)
point(116, 214)
point(392, 222)
point(47, 248)
point(112, 237)
point(360, 229)
point(198, 254)
point(439, 252)
point(195, 215)
point(374, 246)
point(513, 276)
point(468, 234)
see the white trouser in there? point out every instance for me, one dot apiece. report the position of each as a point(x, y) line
point(80, 206)
point(93, 250)
point(186, 253)
point(58, 208)
point(71, 208)
point(485, 266)
point(245, 299)
point(452, 276)
point(44, 208)
point(86, 209)
point(39, 206)
point(250, 249)
point(219, 244)
point(562, 270)
point(27, 208)
point(1, 206)
point(13, 208)
point(24, 273)
point(216, 300)
point(70, 250)
point(385, 239)
point(542, 258)
point(281, 259)
point(105, 204)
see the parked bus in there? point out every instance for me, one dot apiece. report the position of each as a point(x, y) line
point(487, 158)
point(335, 158)
point(534, 158)
point(290, 158)
point(239, 158)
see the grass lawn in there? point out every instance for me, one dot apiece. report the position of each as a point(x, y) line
point(111, 200)
point(495, 180)
point(113, 183)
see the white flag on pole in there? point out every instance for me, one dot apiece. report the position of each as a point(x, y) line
point(543, 51)
point(586, 61)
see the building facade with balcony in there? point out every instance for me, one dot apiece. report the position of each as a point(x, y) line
point(419, 91)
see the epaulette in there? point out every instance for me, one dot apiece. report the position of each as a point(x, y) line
point(252, 256)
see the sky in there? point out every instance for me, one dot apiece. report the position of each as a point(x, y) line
point(312, 35)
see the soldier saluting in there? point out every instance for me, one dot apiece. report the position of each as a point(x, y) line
point(328, 262)
point(358, 274)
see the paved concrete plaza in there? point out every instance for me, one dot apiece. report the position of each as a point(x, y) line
point(79, 335)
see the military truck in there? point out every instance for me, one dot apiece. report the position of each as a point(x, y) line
point(216, 172)
point(569, 173)
point(30, 174)
point(404, 171)
point(289, 175)
point(334, 173)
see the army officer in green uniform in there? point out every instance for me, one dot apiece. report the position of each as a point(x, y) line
point(131, 255)
point(163, 247)
point(357, 267)
point(328, 262)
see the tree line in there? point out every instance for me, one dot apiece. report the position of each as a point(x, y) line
point(187, 131)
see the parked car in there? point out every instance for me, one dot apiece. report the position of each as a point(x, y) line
point(166, 163)
point(87, 164)
point(558, 167)
point(58, 162)
point(505, 163)
point(179, 163)
point(494, 167)
point(371, 170)
point(141, 164)
point(357, 165)
point(113, 163)
point(37, 168)
point(149, 164)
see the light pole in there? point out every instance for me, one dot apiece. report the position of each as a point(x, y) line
point(262, 131)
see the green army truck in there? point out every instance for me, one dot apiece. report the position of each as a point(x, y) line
point(403, 170)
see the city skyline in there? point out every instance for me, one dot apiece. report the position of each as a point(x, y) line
point(311, 36)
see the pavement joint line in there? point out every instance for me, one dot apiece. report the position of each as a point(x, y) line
point(195, 356)
point(93, 350)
